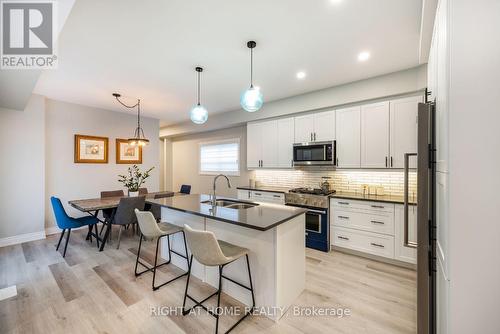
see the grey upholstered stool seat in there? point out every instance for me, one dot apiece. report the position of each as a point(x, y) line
point(209, 251)
point(150, 229)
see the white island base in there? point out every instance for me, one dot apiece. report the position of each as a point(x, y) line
point(277, 260)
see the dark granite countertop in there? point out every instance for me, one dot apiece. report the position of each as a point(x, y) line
point(265, 188)
point(374, 198)
point(261, 217)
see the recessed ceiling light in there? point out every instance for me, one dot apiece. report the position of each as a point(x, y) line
point(335, 2)
point(301, 75)
point(364, 56)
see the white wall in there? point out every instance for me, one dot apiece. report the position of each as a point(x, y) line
point(474, 160)
point(386, 85)
point(185, 162)
point(69, 180)
point(22, 178)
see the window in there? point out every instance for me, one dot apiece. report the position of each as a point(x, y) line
point(220, 157)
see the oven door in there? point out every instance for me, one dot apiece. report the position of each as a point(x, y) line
point(314, 154)
point(317, 229)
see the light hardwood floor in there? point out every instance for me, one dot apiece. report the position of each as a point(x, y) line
point(92, 292)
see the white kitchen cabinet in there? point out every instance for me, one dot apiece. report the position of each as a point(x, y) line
point(348, 133)
point(401, 252)
point(366, 242)
point(403, 130)
point(267, 197)
point(304, 128)
point(285, 142)
point(244, 194)
point(324, 126)
point(254, 145)
point(269, 156)
point(375, 135)
point(315, 127)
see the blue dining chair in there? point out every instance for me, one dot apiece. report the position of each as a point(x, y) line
point(185, 189)
point(65, 222)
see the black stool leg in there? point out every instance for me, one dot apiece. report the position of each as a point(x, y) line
point(138, 254)
point(67, 240)
point(250, 279)
point(185, 247)
point(190, 263)
point(218, 301)
point(156, 261)
point(60, 238)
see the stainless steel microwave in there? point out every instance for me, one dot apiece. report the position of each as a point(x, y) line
point(315, 153)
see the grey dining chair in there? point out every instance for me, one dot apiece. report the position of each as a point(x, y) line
point(108, 213)
point(209, 251)
point(155, 209)
point(150, 229)
point(125, 215)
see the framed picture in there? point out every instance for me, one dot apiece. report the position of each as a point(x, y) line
point(126, 153)
point(91, 149)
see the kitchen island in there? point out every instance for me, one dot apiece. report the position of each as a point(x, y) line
point(273, 233)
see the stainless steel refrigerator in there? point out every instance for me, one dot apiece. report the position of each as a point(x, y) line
point(426, 218)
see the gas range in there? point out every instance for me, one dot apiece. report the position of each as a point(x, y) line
point(310, 197)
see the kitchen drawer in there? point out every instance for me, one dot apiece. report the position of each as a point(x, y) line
point(266, 196)
point(349, 204)
point(366, 221)
point(362, 241)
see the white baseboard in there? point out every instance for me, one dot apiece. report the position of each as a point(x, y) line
point(52, 230)
point(19, 239)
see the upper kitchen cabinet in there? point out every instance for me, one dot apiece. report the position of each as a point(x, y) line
point(285, 142)
point(315, 127)
point(403, 130)
point(348, 131)
point(269, 144)
point(375, 135)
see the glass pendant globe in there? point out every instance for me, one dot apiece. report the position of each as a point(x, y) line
point(251, 100)
point(198, 114)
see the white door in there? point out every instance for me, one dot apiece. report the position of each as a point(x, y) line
point(285, 142)
point(348, 126)
point(269, 139)
point(304, 128)
point(403, 130)
point(254, 145)
point(324, 126)
point(401, 252)
point(375, 135)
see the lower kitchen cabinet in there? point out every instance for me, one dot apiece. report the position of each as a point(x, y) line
point(403, 253)
point(372, 227)
point(262, 196)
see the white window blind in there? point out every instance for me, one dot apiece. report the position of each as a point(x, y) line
point(220, 157)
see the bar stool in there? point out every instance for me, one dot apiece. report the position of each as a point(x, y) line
point(150, 229)
point(209, 251)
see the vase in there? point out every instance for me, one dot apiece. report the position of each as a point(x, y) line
point(133, 193)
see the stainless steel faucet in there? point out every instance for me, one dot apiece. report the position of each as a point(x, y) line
point(214, 198)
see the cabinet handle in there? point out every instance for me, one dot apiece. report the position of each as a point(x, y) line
point(391, 162)
point(343, 203)
point(262, 163)
point(342, 238)
point(311, 136)
point(377, 222)
point(257, 194)
point(343, 217)
point(278, 196)
point(337, 161)
point(377, 245)
point(378, 206)
point(315, 136)
point(386, 162)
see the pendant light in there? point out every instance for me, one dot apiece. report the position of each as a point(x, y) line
point(139, 139)
point(251, 100)
point(198, 113)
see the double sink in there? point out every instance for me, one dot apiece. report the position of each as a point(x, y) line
point(231, 204)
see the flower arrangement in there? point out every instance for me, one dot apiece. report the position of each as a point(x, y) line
point(134, 179)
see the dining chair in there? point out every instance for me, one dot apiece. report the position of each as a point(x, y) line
point(107, 213)
point(65, 222)
point(209, 251)
point(152, 230)
point(185, 189)
point(155, 209)
point(143, 191)
point(124, 214)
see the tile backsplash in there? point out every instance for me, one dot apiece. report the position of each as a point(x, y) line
point(341, 180)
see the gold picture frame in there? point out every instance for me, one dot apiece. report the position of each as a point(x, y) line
point(91, 149)
point(127, 154)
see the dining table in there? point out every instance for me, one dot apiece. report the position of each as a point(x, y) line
point(92, 207)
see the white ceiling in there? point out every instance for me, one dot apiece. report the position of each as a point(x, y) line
point(149, 49)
